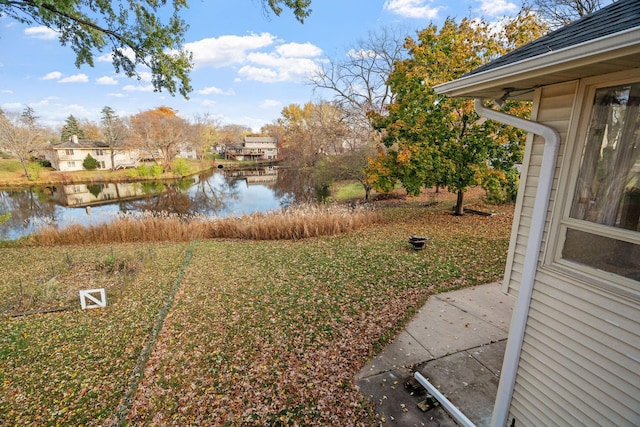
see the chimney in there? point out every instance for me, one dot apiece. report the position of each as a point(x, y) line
point(74, 139)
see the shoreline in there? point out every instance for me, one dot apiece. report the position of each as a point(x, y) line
point(53, 177)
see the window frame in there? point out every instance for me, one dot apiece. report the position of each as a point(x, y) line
point(561, 220)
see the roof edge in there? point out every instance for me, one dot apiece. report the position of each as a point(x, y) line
point(608, 47)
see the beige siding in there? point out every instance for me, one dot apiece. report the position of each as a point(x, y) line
point(580, 360)
point(553, 107)
point(577, 365)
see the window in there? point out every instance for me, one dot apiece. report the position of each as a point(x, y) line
point(69, 151)
point(602, 228)
point(99, 152)
point(71, 164)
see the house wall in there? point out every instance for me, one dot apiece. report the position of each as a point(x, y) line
point(552, 106)
point(62, 161)
point(580, 359)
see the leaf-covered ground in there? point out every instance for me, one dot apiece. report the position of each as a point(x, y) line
point(72, 367)
point(259, 332)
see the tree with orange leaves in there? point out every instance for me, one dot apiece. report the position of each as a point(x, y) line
point(160, 133)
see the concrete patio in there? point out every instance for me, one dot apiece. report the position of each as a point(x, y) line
point(457, 342)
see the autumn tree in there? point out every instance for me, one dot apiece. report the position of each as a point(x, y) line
point(20, 136)
point(230, 134)
point(90, 129)
point(160, 133)
point(141, 34)
point(310, 132)
point(70, 128)
point(321, 144)
point(274, 130)
point(114, 131)
point(203, 137)
point(432, 140)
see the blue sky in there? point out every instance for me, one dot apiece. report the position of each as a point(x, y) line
point(247, 65)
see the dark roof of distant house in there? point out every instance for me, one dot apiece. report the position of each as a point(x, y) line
point(82, 143)
point(617, 17)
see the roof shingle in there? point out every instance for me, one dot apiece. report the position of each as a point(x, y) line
point(617, 17)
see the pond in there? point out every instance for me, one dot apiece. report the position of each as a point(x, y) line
point(217, 193)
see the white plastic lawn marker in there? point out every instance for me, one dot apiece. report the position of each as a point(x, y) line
point(93, 298)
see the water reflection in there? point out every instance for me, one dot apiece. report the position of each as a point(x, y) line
point(218, 193)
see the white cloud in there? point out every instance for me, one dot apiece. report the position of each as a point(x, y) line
point(57, 75)
point(212, 90)
point(77, 110)
point(497, 7)
point(208, 103)
point(106, 81)
point(226, 50)
point(77, 78)
point(45, 102)
point(54, 75)
point(138, 88)
point(117, 95)
point(297, 50)
point(259, 57)
point(42, 33)
point(7, 91)
point(270, 69)
point(274, 68)
point(412, 9)
point(259, 74)
point(12, 106)
point(270, 103)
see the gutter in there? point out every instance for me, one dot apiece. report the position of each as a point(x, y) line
point(458, 416)
point(541, 204)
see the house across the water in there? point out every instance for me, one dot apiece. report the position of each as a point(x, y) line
point(70, 156)
point(253, 148)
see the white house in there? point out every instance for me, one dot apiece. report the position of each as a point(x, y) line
point(573, 353)
point(69, 156)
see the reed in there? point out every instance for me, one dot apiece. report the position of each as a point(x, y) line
point(299, 222)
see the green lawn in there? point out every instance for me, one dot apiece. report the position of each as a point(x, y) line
point(259, 332)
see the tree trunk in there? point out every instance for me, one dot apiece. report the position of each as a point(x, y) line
point(459, 206)
point(23, 162)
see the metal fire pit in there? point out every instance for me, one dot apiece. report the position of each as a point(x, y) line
point(418, 242)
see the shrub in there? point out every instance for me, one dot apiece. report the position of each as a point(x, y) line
point(141, 171)
point(181, 167)
point(90, 163)
point(34, 170)
point(156, 170)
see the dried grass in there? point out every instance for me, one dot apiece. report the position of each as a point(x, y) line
point(300, 222)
